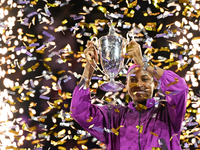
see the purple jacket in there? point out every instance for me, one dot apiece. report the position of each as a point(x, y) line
point(125, 128)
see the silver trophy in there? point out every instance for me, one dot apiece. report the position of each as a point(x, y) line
point(112, 49)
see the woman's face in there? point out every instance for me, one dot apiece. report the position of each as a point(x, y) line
point(140, 85)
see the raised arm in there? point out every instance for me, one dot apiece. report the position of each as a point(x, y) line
point(135, 52)
point(89, 116)
point(90, 55)
point(174, 87)
point(176, 90)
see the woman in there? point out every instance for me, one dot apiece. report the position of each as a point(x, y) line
point(146, 123)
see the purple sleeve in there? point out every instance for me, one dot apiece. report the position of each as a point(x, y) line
point(82, 112)
point(176, 91)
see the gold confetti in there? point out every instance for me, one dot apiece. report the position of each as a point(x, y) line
point(126, 11)
point(108, 99)
point(61, 148)
point(61, 71)
point(14, 132)
point(119, 127)
point(102, 9)
point(54, 78)
point(54, 143)
point(115, 131)
point(33, 67)
point(133, 85)
point(140, 128)
point(11, 147)
point(127, 98)
point(188, 102)
point(184, 1)
point(48, 59)
point(181, 68)
point(66, 105)
point(143, 106)
point(117, 111)
point(168, 92)
point(90, 119)
point(160, 27)
point(30, 35)
point(132, 4)
point(54, 126)
point(53, 5)
point(64, 21)
point(139, 107)
point(153, 133)
point(174, 82)
point(82, 141)
point(48, 67)
point(40, 51)
point(173, 136)
point(57, 102)
point(76, 137)
point(62, 132)
point(155, 148)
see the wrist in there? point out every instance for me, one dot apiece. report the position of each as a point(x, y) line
point(145, 62)
point(84, 83)
point(89, 68)
point(145, 65)
point(141, 64)
point(88, 71)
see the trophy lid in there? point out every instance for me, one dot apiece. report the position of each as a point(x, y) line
point(112, 29)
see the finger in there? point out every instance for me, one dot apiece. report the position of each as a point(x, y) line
point(131, 51)
point(89, 43)
point(131, 44)
point(91, 47)
point(95, 53)
point(134, 44)
point(88, 57)
point(90, 52)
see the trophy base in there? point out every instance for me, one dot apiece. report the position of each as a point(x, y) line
point(112, 86)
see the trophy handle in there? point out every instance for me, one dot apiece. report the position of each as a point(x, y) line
point(95, 39)
point(96, 43)
point(130, 36)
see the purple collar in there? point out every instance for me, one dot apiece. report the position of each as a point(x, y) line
point(150, 103)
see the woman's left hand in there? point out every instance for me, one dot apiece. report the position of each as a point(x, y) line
point(134, 51)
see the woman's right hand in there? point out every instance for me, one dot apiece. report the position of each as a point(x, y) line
point(91, 54)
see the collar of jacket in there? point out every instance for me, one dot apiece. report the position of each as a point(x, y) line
point(150, 103)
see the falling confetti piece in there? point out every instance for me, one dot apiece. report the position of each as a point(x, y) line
point(153, 133)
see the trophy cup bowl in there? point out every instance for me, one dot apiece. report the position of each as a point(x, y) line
point(111, 50)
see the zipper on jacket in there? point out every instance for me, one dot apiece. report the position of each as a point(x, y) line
point(139, 131)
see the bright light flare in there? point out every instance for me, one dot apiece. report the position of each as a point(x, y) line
point(8, 83)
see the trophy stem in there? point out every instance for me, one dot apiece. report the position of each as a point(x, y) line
point(112, 85)
point(112, 77)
